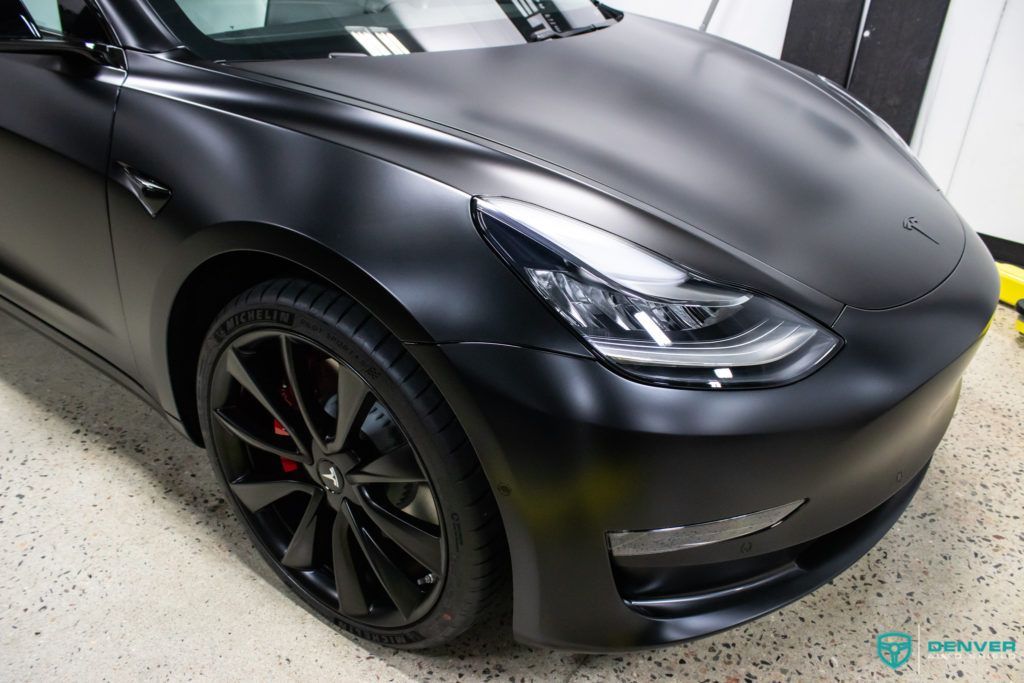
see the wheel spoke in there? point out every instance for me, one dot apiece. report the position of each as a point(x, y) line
point(351, 600)
point(353, 395)
point(288, 352)
point(245, 434)
point(399, 587)
point(237, 369)
point(277, 395)
point(423, 545)
point(259, 495)
point(299, 554)
point(398, 466)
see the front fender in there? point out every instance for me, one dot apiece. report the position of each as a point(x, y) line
point(401, 243)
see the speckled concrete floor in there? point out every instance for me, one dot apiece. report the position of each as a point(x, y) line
point(120, 560)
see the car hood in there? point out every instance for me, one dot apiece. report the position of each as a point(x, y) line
point(726, 140)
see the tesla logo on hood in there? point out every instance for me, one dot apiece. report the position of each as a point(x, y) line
point(912, 224)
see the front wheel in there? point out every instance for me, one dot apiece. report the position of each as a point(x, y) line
point(347, 467)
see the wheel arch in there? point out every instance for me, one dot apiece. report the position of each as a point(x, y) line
point(217, 263)
point(231, 259)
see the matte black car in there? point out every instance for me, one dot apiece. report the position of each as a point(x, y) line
point(454, 291)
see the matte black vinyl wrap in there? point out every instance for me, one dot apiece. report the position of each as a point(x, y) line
point(362, 171)
point(368, 201)
point(715, 135)
point(55, 256)
point(372, 197)
point(581, 451)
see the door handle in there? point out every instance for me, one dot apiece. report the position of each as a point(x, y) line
point(151, 194)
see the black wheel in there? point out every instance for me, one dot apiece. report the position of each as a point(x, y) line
point(349, 470)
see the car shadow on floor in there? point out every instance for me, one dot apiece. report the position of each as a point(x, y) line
point(100, 412)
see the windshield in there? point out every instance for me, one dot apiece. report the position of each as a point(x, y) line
point(296, 29)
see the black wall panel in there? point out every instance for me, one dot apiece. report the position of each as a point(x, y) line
point(822, 35)
point(895, 58)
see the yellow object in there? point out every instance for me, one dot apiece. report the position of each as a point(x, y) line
point(1011, 283)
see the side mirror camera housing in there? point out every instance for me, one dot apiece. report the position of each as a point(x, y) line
point(86, 38)
point(104, 55)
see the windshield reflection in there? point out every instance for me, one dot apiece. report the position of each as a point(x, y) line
point(262, 29)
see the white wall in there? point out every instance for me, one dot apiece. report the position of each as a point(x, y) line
point(971, 132)
point(759, 24)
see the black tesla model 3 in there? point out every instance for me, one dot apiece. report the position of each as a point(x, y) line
point(468, 294)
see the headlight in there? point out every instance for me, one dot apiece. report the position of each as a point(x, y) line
point(647, 315)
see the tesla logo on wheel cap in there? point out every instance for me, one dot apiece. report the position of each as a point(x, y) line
point(331, 476)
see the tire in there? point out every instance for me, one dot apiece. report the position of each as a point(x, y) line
point(386, 513)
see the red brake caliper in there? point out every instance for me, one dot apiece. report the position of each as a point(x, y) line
point(279, 430)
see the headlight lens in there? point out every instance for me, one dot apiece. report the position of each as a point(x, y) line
point(647, 315)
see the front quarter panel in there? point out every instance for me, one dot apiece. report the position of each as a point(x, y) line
point(403, 244)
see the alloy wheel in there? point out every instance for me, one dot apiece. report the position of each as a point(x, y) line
point(327, 479)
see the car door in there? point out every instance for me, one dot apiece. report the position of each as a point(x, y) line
point(59, 82)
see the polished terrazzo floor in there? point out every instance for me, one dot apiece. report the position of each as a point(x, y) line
point(121, 561)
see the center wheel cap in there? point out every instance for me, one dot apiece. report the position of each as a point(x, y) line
point(331, 477)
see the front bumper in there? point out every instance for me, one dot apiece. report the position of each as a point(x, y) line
point(574, 451)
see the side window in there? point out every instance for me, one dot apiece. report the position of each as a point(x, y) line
point(45, 13)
